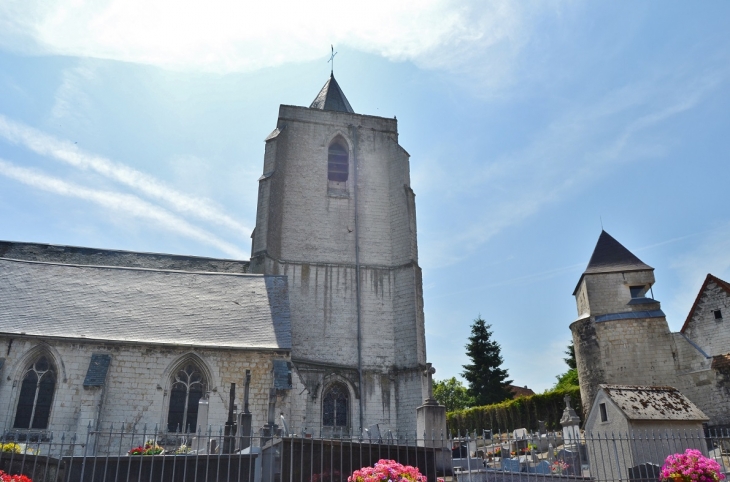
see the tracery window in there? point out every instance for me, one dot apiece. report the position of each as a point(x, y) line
point(337, 162)
point(188, 387)
point(36, 395)
point(335, 406)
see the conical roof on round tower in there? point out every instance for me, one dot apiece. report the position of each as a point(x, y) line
point(610, 256)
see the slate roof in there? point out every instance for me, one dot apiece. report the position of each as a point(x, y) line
point(610, 256)
point(709, 279)
point(653, 403)
point(331, 97)
point(144, 305)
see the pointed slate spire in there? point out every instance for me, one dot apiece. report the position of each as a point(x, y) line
point(610, 256)
point(331, 97)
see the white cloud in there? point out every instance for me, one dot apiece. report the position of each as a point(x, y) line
point(227, 36)
point(126, 203)
point(69, 153)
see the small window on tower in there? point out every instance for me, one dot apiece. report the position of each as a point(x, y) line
point(718, 314)
point(637, 291)
point(604, 413)
point(337, 162)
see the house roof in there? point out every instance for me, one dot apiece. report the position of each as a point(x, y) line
point(709, 279)
point(653, 403)
point(331, 97)
point(144, 305)
point(610, 256)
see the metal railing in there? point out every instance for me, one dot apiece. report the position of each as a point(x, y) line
point(123, 454)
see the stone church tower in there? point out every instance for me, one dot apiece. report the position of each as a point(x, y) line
point(336, 215)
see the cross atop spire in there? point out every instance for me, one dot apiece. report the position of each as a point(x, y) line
point(332, 59)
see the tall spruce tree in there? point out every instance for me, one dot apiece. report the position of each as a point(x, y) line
point(488, 382)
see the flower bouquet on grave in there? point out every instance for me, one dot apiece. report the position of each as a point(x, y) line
point(691, 466)
point(13, 478)
point(149, 448)
point(558, 467)
point(498, 452)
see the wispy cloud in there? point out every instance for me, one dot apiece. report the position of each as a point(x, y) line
point(125, 203)
point(573, 152)
point(69, 153)
point(228, 36)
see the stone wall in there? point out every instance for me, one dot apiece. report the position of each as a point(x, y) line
point(137, 386)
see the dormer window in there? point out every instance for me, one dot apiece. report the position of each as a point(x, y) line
point(637, 291)
point(337, 162)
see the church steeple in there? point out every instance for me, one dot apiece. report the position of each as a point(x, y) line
point(331, 97)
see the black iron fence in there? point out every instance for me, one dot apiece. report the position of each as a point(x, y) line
point(119, 455)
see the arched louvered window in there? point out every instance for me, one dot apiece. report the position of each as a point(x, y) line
point(335, 406)
point(36, 395)
point(337, 162)
point(188, 387)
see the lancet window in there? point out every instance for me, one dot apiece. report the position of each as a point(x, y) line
point(335, 406)
point(188, 387)
point(337, 162)
point(36, 395)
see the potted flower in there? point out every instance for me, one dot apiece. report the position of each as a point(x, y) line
point(13, 478)
point(149, 448)
point(388, 471)
point(691, 466)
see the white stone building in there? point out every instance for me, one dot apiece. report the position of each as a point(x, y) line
point(633, 425)
point(329, 311)
point(622, 337)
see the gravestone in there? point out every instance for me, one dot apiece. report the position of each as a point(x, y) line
point(572, 459)
point(541, 468)
point(511, 465)
point(644, 472)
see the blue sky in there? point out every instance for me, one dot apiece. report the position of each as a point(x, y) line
point(139, 125)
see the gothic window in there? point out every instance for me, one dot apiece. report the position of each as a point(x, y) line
point(337, 162)
point(335, 406)
point(36, 395)
point(188, 387)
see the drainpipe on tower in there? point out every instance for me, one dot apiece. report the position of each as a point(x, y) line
point(353, 135)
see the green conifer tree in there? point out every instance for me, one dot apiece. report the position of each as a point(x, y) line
point(488, 382)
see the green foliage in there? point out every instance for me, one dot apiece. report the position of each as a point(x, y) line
point(567, 380)
point(452, 394)
point(488, 382)
point(523, 412)
point(570, 361)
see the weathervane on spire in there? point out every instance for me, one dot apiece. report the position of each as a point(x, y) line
point(332, 59)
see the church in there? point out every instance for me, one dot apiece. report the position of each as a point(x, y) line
point(326, 316)
point(621, 335)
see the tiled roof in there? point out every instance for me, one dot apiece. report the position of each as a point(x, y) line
point(331, 97)
point(709, 279)
point(144, 305)
point(653, 403)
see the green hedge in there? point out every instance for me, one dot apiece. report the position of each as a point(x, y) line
point(523, 412)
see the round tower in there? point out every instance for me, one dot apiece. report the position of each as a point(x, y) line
point(621, 335)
